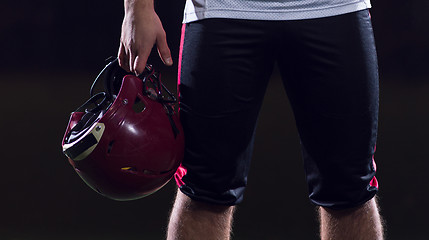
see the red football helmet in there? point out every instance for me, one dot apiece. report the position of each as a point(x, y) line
point(125, 142)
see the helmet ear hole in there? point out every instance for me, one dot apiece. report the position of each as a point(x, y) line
point(139, 106)
point(109, 147)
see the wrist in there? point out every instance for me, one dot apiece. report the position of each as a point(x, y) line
point(138, 5)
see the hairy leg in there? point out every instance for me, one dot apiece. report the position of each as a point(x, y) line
point(192, 220)
point(361, 223)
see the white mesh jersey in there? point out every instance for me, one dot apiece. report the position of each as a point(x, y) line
point(270, 9)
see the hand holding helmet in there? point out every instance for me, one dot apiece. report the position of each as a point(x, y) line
point(141, 30)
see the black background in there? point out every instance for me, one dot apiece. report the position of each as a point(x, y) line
point(52, 50)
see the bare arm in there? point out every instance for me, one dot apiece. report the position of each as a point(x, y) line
point(141, 30)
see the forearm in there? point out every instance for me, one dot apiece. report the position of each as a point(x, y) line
point(138, 10)
point(132, 5)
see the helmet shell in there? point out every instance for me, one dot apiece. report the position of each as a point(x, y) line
point(137, 152)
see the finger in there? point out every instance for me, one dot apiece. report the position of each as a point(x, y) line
point(164, 51)
point(122, 58)
point(140, 62)
point(131, 59)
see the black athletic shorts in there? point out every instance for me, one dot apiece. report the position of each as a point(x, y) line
point(329, 70)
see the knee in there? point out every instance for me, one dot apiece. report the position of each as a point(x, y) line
point(190, 205)
point(355, 210)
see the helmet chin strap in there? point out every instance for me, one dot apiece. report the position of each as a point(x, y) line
point(112, 75)
point(170, 113)
point(149, 76)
